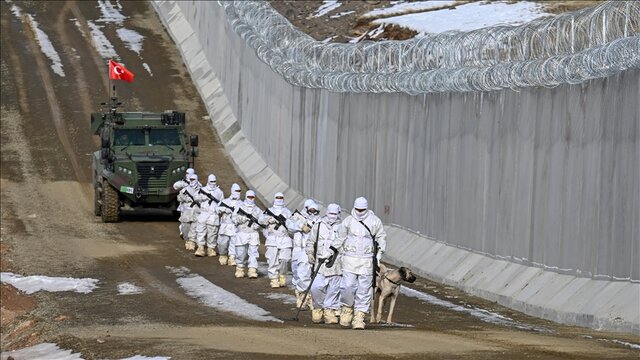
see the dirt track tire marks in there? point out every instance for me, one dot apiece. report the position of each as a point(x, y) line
point(52, 101)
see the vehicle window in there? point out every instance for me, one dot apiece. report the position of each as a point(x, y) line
point(126, 137)
point(164, 137)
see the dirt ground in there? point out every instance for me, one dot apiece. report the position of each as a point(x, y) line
point(48, 228)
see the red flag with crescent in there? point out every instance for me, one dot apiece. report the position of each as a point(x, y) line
point(117, 71)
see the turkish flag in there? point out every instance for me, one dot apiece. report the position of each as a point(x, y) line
point(117, 71)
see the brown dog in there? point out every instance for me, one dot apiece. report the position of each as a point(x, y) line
point(388, 285)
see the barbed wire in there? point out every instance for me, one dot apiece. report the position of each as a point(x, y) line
point(565, 49)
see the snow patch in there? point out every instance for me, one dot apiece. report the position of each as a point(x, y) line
point(339, 15)
point(214, 296)
point(31, 284)
point(628, 344)
point(129, 289)
point(78, 26)
point(131, 38)
point(285, 298)
point(326, 7)
point(109, 13)
point(43, 41)
point(102, 44)
point(142, 357)
point(467, 17)
point(482, 314)
point(42, 351)
point(146, 67)
point(402, 7)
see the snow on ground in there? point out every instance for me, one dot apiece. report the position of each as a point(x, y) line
point(403, 7)
point(43, 41)
point(285, 298)
point(484, 315)
point(109, 12)
point(214, 296)
point(31, 284)
point(467, 17)
point(339, 15)
point(102, 44)
point(47, 351)
point(326, 7)
point(132, 39)
point(146, 67)
point(141, 357)
point(129, 289)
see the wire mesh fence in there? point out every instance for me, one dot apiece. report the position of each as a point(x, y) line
point(566, 49)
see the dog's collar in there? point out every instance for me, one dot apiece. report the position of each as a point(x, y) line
point(391, 281)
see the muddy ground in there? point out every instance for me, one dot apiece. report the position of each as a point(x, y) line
point(48, 228)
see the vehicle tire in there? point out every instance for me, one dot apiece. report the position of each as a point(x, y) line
point(110, 203)
point(97, 206)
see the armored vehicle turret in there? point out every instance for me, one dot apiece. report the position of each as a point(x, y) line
point(141, 156)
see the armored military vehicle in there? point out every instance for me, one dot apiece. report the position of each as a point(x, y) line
point(141, 155)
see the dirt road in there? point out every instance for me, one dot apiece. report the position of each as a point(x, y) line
point(48, 227)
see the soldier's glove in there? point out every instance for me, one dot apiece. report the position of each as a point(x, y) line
point(312, 259)
point(306, 228)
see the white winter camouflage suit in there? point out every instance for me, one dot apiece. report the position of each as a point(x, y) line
point(189, 214)
point(208, 220)
point(278, 242)
point(228, 231)
point(325, 291)
point(300, 267)
point(356, 245)
point(247, 237)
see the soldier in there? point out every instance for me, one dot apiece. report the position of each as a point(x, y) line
point(325, 290)
point(179, 185)
point(361, 239)
point(208, 220)
point(278, 242)
point(188, 196)
point(300, 267)
point(247, 239)
point(227, 232)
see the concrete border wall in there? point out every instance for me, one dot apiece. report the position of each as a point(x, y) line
point(527, 198)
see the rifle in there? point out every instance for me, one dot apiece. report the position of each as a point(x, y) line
point(211, 197)
point(279, 218)
point(375, 252)
point(193, 201)
point(252, 218)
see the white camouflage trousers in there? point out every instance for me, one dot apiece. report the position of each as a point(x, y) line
point(226, 245)
point(301, 269)
point(247, 251)
point(325, 292)
point(207, 232)
point(278, 260)
point(356, 291)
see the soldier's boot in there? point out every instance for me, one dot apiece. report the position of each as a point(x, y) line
point(316, 316)
point(239, 272)
point(223, 259)
point(231, 261)
point(298, 299)
point(274, 283)
point(253, 273)
point(211, 252)
point(346, 315)
point(330, 316)
point(309, 303)
point(190, 245)
point(358, 320)
point(200, 251)
point(282, 280)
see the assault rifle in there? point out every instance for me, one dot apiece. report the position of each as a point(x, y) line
point(193, 200)
point(211, 197)
point(251, 218)
point(279, 218)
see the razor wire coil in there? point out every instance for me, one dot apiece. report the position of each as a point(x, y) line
point(565, 49)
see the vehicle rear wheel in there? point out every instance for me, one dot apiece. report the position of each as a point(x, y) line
point(110, 203)
point(97, 206)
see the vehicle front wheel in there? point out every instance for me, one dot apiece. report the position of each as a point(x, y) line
point(110, 203)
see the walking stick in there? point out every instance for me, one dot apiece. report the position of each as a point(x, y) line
point(330, 260)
